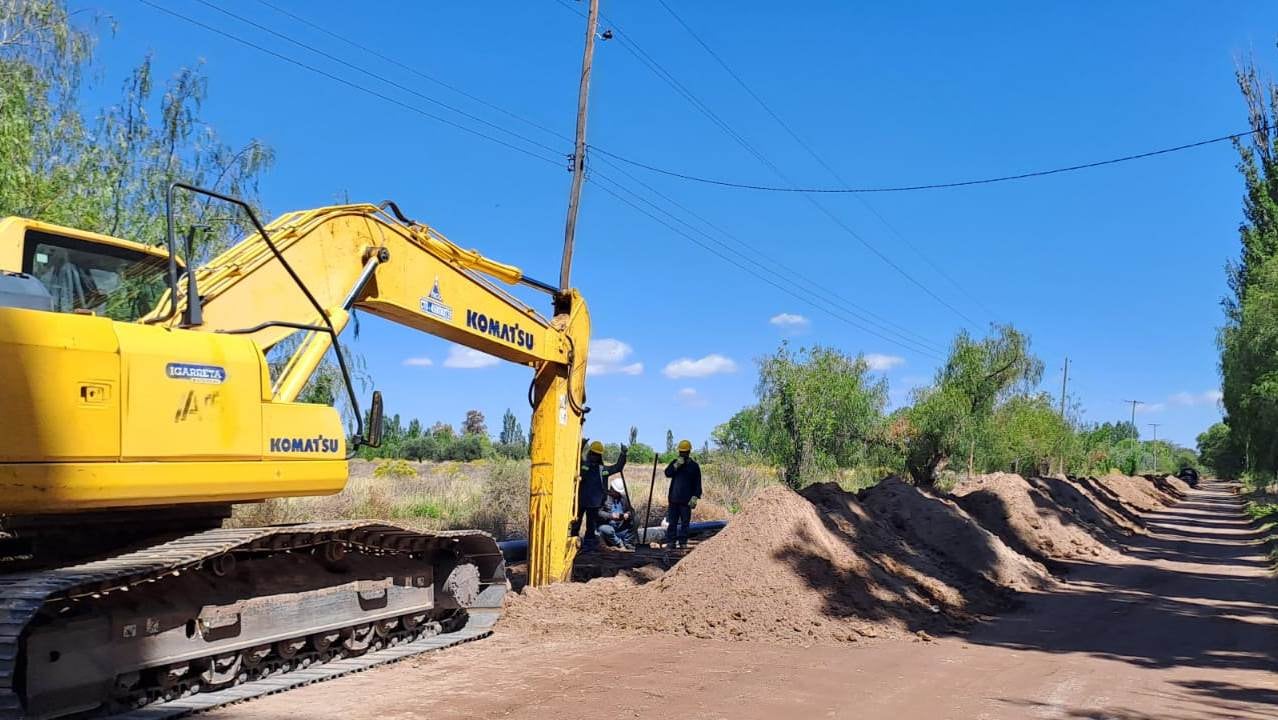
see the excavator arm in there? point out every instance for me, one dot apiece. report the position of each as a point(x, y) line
point(374, 259)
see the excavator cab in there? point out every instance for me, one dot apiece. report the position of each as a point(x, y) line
point(47, 267)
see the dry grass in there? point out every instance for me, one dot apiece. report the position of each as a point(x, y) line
point(492, 495)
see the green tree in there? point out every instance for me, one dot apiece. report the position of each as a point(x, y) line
point(110, 174)
point(670, 441)
point(1249, 338)
point(742, 432)
point(1219, 451)
point(950, 417)
point(511, 431)
point(474, 423)
point(819, 409)
point(1027, 434)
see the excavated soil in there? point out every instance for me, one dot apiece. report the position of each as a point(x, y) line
point(1141, 493)
point(945, 529)
point(1093, 504)
point(1029, 521)
point(827, 566)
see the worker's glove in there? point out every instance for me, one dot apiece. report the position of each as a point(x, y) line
point(693, 501)
point(679, 461)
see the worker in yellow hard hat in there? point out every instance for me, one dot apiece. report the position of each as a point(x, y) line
point(592, 489)
point(685, 491)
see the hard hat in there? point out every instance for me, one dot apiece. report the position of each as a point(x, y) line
point(685, 446)
point(617, 486)
point(596, 447)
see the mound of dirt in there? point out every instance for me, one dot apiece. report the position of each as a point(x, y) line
point(1028, 520)
point(947, 530)
point(1099, 509)
point(796, 569)
point(1138, 492)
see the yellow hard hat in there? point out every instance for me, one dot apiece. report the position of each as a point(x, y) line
point(596, 447)
point(685, 446)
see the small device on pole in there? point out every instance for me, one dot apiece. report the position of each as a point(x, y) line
point(579, 149)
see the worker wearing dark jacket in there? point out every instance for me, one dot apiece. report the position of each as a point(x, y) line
point(591, 491)
point(685, 491)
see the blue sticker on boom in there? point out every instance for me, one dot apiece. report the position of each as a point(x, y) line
point(208, 374)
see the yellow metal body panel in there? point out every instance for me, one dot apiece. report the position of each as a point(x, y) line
point(29, 488)
point(59, 388)
point(559, 395)
point(189, 395)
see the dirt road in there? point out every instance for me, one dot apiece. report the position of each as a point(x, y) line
point(1183, 628)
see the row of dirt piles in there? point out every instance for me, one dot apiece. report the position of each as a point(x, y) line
point(1026, 515)
point(825, 565)
point(1146, 494)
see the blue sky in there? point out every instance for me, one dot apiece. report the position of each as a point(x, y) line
point(1119, 268)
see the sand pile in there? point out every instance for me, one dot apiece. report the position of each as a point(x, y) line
point(1137, 492)
point(946, 530)
point(795, 569)
point(1098, 508)
point(1028, 520)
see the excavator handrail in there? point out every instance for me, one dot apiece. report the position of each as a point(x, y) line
point(192, 315)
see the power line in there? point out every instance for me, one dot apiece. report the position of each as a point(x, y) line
point(927, 186)
point(751, 270)
point(347, 83)
point(924, 346)
point(814, 154)
point(635, 49)
point(773, 264)
point(425, 76)
point(327, 55)
point(903, 338)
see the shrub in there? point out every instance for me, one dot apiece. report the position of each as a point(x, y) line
point(421, 508)
point(394, 470)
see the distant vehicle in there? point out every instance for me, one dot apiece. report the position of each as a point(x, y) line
point(1189, 475)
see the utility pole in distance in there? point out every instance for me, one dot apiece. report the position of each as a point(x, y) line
point(579, 150)
point(1064, 385)
point(1155, 441)
point(1134, 404)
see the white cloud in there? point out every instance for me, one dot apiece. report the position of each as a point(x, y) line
point(877, 361)
point(608, 356)
point(704, 367)
point(468, 358)
point(1208, 397)
point(1145, 408)
point(418, 362)
point(690, 397)
point(790, 322)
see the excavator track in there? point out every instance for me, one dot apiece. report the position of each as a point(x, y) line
point(408, 586)
point(478, 627)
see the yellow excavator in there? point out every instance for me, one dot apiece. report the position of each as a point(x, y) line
point(137, 404)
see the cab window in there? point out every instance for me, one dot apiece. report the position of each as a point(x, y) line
point(115, 282)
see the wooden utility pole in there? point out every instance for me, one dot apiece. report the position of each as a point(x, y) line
point(1134, 404)
point(1155, 441)
point(1064, 384)
point(579, 150)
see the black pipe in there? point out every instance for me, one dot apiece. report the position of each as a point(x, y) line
point(517, 550)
